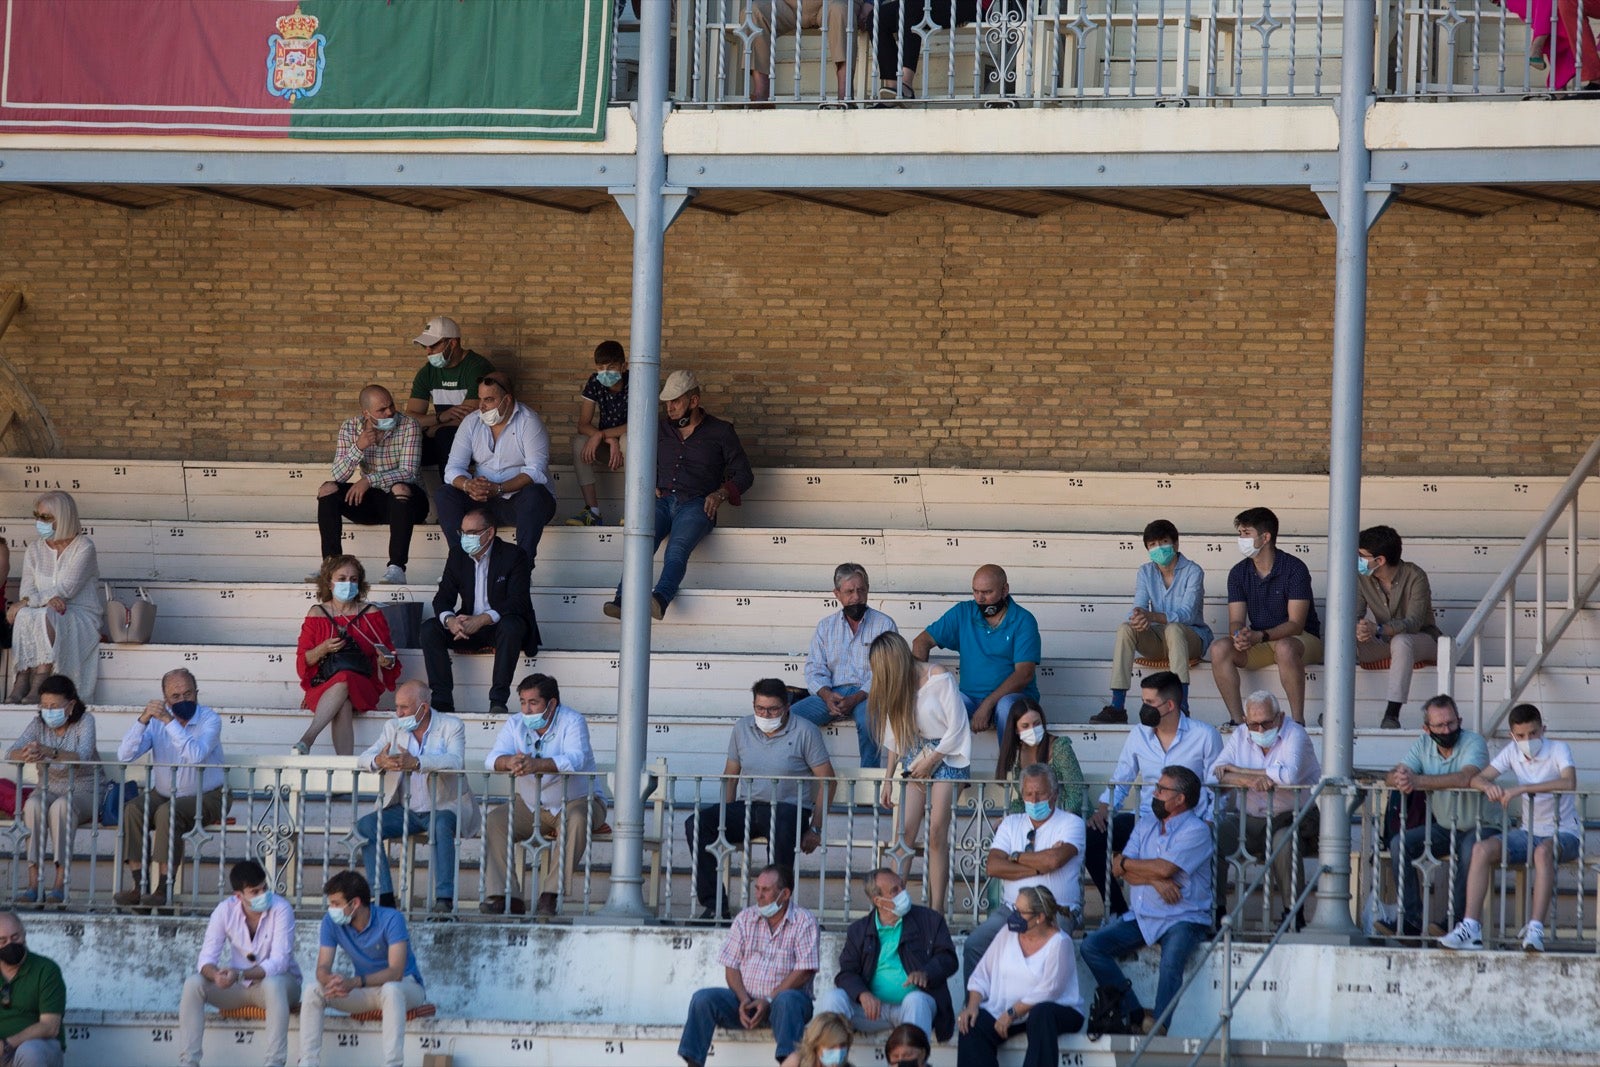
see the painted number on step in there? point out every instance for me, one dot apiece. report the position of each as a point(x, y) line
point(1252, 486)
point(1519, 487)
point(174, 531)
point(244, 1037)
point(106, 653)
point(349, 1040)
point(952, 542)
point(1480, 550)
point(118, 472)
point(1085, 609)
point(434, 535)
point(779, 539)
point(77, 1033)
point(741, 601)
point(869, 541)
point(1040, 543)
point(1430, 487)
point(1124, 546)
point(813, 479)
point(235, 720)
point(829, 602)
point(987, 479)
point(603, 539)
point(191, 657)
point(522, 1044)
point(680, 944)
point(262, 535)
point(274, 657)
point(1163, 483)
point(791, 668)
point(159, 1036)
point(225, 594)
point(1071, 1059)
point(702, 665)
point(569, 598)
point(297, 474)
point(613, 1048)
point(900, 479)
point(660, 728)
point(427, 1043)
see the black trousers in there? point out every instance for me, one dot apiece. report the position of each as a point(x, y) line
point(1095, 857)
point(378, 507)
point(506, 637)
point(980, 1046)
point(780, 824)
point(897, 49)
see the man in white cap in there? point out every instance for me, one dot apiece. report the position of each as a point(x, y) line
point(449, 381)
point(700, 465)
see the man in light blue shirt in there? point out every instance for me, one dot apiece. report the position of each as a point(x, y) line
point(999, 644)
point(837, 672)
point(1168, 862)
point(500, 461)
point(1168, 619)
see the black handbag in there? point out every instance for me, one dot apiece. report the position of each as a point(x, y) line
point(349, 658)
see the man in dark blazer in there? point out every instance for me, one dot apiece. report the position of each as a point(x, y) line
point(914, 986)
point(482, 602)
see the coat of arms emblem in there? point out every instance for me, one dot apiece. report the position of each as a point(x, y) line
point(295, 57)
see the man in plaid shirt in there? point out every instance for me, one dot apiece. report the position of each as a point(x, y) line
point(770, 957)
point(375, 480)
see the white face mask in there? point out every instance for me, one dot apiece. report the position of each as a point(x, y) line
point(1247, 548)
point(1031, 735)
point(491, 417)
point(1531, 747)
point(768, 726)
point(1265, 738)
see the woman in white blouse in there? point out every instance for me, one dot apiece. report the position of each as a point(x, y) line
point(921, 723)
point(56, 621)
point(1027, 980)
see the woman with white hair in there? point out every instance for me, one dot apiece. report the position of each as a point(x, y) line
point(56, 620)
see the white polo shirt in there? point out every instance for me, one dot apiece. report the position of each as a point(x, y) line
point(1061, 828)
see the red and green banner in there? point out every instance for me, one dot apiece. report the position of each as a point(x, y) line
point(348, 69)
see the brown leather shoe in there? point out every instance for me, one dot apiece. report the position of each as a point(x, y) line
point(546, 905)
point(1110, 716)
point(128, 898)
point(497, 906)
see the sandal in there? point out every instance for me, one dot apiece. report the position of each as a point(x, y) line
point(1536, 52)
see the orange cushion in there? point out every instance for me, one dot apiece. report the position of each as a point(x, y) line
point(1158, 664)
point(421, 1011)
point(1383, 664)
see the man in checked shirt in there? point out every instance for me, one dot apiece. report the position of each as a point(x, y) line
point(375, 480)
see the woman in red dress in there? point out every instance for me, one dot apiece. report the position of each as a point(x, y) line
point(352, 636)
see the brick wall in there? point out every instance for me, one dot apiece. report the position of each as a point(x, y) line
point(1087, 339)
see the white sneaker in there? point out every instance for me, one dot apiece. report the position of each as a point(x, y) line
point(393, 575)
point(1533, 937)
point(1461, 939)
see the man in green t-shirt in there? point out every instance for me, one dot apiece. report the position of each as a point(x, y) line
point(32, 1000)
point(449, 382)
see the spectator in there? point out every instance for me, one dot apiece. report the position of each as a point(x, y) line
point(1271, 617)
point(416, 745)
point(546, 748)
point(602, 427)
point(1546, 780)
point(1401, 628)
point(482, 602)
point(1027, 977)
point(1040, 846)
point(918, 715)
point(899, 42)
point(62, 731)
point(55, 623)
point(1164, 736)
point(769, 959)
point(1026, 741)
point(907, 1046)
point(34, 1001)
point(837, 672)
point(1567, 59)
point(1443, 762)
point(782, 16)
point(700, 465)
point(375, 480)
point(500, 464)
point(449, 381)
point(1272, 765)
point(1168, 862)
point(375, 941)
point(896, 964)
point(184, 739)
point(345, 658)
point(1168, 619)
point(998, 640)
point(825, 1043)
point(770, 743)
point(246, 960)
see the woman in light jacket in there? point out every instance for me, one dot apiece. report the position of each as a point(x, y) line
point(55, 623)
point(63, 733)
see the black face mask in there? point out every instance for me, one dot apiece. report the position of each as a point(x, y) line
point(855, 612)
point(1158, 808)
point(991, 610)
point(13, 954)
point(184, 710)
point(1149, 716)
point(1447, 740)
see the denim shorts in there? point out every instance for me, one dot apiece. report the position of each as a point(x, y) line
point(1515, 845)
point(943, 772)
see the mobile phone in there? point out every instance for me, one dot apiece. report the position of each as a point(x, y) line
point(383, 651)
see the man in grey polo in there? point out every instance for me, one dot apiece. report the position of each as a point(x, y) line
point(767, 747)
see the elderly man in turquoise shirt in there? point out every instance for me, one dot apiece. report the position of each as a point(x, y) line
point(998, 640)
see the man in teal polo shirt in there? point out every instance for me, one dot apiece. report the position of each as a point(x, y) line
point(999, 644)
point(33, 998)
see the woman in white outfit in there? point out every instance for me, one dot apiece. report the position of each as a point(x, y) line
point(921, 723)
point(56, 622)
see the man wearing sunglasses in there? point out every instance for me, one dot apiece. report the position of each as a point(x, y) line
point(33, 997)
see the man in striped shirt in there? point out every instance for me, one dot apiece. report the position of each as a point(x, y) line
point(375, 480)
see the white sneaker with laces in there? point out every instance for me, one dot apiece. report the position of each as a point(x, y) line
point(1461, 939)
point(393, 575)
point(1533, 937)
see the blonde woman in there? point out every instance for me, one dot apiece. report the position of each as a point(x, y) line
point(921, 723)
point(826, 1043)
point(56, 621)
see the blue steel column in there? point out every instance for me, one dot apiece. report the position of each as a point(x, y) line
point(626, 900)
point(1333, 918)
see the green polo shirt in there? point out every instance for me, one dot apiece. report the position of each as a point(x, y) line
point(889, 977)
point(36, 990)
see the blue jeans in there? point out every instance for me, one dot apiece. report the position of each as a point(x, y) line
point(815, 709)
point(399, 820)
point(681, 523)
point(711, 1008)
point(1101, 949)
point(1002, 708)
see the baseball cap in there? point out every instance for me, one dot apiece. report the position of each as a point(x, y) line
point(439, 327)
point(678, 383)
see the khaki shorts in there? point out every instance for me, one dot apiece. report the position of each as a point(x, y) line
point(1263, 656)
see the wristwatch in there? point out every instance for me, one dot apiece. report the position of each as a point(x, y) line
point(1014, 856)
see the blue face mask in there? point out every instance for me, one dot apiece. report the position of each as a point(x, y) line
point(46, 530)
point(346, 591)
point(262, 902)
point(1163, 555)
point(471, 543)
point(437, 359)
point(1038, 810)
point(535, 722)
point(408, 724)
point(608, 378)
point(901, 903)
point(386, 424)
point(1015, 922)
point(769, 910)
point(338, 916)
point(832, 1057)
point(55, 718)
point(1363, 566)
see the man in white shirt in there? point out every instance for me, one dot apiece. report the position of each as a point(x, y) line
point(1272, 765)
point(184, 739)
point(1040, 845)
point(837, 672)
point(500, 461)
point(415, 743)
point(1545, 778)
point(247, 959)
point(546, 747)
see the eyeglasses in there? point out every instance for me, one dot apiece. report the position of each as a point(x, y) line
point(1165, 789)
point(479, 532)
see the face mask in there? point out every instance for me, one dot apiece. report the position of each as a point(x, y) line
point(408, 724)
point(1032, 735)
point(55, 718)
point(1247, 548)
point(1038, 810)
point(1529, 748)
point(1163, 555)
point(769, 910)
point(346, 591)
point(1266, 737)
point(768, 726)
point(1363, 566)
point(13, 954)
point(991, 610)
point(832, 1057)
point(46, 530)
point(386, 424)
point(260, 903)
point(184, 710)
point(491, 417)
point(1015, 922)
point(339, 916)
point(608, 378)
point(1158, 807)
point(1448, 740)
point(901, 902)
point(855, 612)
point(1149, 716)
point(683, 423)
point(438, 359)
point(470, 543)
point(535, 722)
